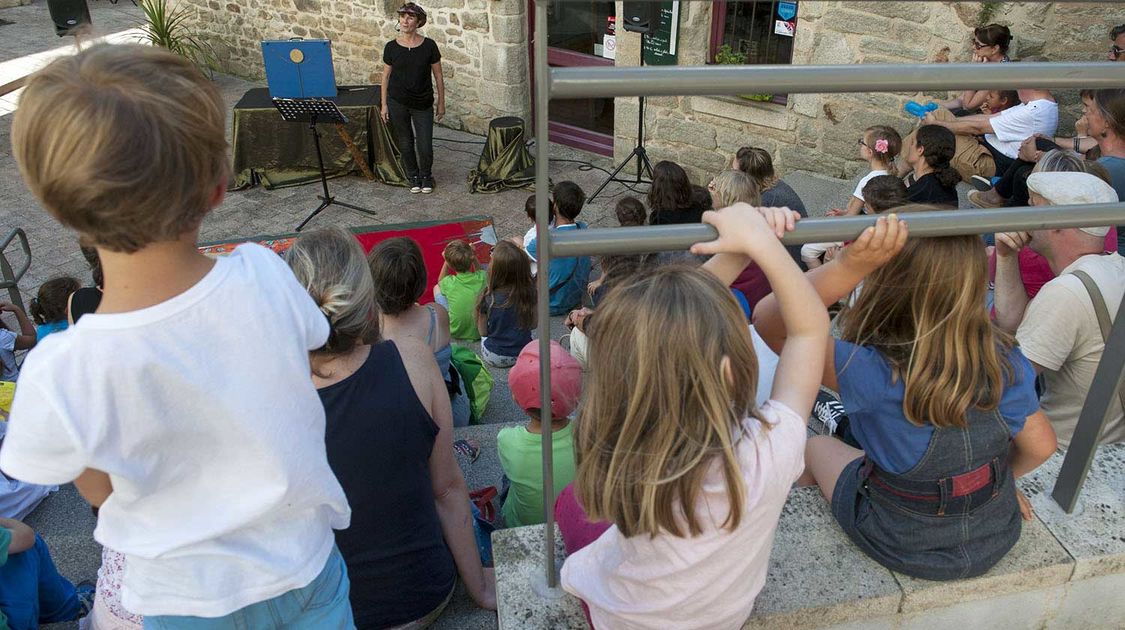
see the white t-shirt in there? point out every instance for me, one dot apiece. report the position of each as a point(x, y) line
point(1060, 332)
point(202, 412)
point(858, 192)
point(1015, 124)
point(528, 238)
point(711, 580)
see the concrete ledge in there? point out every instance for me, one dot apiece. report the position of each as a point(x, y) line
point(1066, 571)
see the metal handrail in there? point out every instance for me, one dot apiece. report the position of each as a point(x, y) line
point(598, 82)
point(9, 279)
point(662, 238)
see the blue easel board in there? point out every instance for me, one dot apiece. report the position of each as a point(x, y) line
point(310, 77)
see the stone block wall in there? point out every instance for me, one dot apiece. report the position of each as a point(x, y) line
point(818, 132)
point(483, 45)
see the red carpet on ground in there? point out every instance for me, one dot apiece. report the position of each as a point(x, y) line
point(431, 236)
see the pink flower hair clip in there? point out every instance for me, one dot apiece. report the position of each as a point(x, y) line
point(881, 146)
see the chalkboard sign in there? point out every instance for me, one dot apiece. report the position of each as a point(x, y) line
point(660, 44)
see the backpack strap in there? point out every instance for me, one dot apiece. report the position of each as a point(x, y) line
point(1102, 313)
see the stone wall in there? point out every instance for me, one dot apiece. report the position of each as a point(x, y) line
point(483, 45)
point(818, 132)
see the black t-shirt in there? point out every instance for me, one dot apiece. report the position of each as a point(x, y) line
point(929, 190)
point(411, 83)
point(505, 336)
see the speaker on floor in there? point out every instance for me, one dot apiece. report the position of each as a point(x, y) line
point(641, 17)
point(68, 15)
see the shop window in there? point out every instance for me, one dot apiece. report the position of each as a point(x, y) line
point(754, 32)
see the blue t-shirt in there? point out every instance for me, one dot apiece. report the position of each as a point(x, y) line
point(505, 336)
point(1116, 168)
point(42, 330)
point(568, 276)
point(874, 406)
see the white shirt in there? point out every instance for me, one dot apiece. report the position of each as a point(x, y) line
point(711, 580)
point(528, 238)
point(1015, 124)
point(202, 412)
point(1060, 332)
point(858, 192)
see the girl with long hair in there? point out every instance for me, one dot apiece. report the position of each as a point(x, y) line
point(929, 153)
point(687, 472)
point(672, 198)
point(942, 405)
point(506, 307)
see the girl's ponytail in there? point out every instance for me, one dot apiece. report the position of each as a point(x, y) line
point(938, 147)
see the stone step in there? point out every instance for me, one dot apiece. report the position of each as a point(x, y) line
point(1066, 571)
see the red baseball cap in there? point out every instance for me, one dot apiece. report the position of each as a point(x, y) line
point(566, 380)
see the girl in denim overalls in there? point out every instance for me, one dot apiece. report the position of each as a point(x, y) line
point(942, 405)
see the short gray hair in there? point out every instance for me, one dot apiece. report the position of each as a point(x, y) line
point(330, 264)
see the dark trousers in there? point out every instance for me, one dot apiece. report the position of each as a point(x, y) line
point(1013, 183)
point(413, 130)
point(1002, 161)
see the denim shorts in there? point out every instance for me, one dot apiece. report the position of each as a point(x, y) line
point(322, 604)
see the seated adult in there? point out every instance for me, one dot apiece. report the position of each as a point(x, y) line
point(399, 274)
point(928, 153)
point(389, 437)
point(1003, 132)
point(758, 164)
point(1035, 271)
point(31, 590)
point(1117, 43)
point(672, 197)
point(1058, 330)
point(990, 45)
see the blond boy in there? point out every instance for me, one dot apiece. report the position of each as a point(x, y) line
point(182, 406)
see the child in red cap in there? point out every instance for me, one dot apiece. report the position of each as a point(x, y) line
point(521, 447)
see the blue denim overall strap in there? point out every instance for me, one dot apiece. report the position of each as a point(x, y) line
point(953, 515)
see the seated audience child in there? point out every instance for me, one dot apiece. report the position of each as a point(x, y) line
point(672, 198)
point(521, 448)
point(568, 276)
point(49, 308)
point(941, 403)
point(928, 153)
point(216, 349)
point(630, 211)
point(529, 236)
point(880, 194)
point(458, 288)
point(17, 499)
point(390, 442)
point(399, 274)
point(11, 341)
point(690, 476)
point(506, 312)
point(758, 164)
point(996, 101)
point(31, 590)
point(879, 147)
point(86, 299)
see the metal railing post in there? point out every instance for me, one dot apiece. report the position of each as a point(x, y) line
point(543, 257)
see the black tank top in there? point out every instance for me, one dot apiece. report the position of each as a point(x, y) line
point(379, 439)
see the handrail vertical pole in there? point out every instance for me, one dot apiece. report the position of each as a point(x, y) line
point(1101, 398)
point(543, 256)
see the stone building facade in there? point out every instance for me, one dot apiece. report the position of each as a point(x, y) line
point(485, 48)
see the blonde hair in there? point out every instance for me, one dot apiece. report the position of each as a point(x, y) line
point(734, 186)
point(459, 255)
point(330, 264)
point(924, 311)
point(646, 437)
point(123, 143)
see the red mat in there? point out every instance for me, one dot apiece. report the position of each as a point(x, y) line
point(431, 236)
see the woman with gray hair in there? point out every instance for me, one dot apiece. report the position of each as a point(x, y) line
point(389, 437)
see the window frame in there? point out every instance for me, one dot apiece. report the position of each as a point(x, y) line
point(718, 26)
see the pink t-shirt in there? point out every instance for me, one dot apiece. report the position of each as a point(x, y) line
point(711, 580)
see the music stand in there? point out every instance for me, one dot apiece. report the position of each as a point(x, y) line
point(639, 153)
point(301, 77)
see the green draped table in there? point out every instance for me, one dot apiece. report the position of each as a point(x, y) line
point(276, 153)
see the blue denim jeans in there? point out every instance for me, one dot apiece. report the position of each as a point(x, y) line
point(32, 591)
point(322, 604)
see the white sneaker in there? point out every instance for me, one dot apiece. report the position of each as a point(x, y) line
point(415, 186)
point(428, 185)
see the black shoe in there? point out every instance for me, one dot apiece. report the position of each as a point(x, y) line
point(830, 412)
point(427, 184)
point(416, 185)
point(983, 184)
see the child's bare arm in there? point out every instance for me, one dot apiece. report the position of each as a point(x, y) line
point(27, 337)
point(94, 486)
point(23, 537)
point(755, 232)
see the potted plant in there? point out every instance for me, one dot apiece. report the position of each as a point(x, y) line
point(727, 56)
point(166, 27)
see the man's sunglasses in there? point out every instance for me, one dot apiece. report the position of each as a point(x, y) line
point(1116, 50)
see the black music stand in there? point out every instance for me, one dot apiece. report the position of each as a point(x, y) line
point(313, 111)
point(639, 153)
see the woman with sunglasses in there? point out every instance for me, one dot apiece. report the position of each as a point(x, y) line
point(408, 95)
point(1117, 43)
point(990, 45)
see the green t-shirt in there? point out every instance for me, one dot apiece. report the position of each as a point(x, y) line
point(521, 457)
point(462, 291)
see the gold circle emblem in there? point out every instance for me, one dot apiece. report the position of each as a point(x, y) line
point(296, 55)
